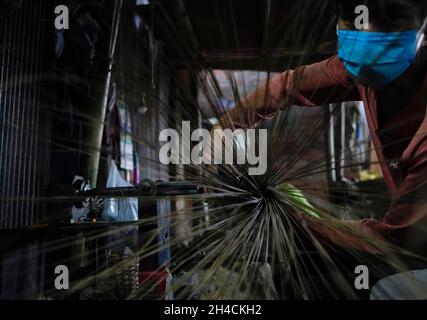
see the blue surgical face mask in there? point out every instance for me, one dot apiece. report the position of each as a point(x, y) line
point(376, 58)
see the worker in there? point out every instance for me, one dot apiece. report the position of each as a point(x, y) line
point(381, 65)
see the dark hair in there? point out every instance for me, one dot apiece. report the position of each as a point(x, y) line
point(422, 4)
point(384, 12)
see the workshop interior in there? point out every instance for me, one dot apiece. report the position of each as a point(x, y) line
point(93, 92)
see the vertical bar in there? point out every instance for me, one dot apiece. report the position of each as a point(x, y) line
point(97, 113)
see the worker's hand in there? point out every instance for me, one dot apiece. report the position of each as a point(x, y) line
point(347, 235)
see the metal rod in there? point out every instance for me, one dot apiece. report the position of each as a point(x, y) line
point(95, 130)
point(146, 188)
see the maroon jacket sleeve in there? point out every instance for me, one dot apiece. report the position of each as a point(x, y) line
point(406, 220)
point(405, 223)
point(312, 85)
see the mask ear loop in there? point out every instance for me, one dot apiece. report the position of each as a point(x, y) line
point(421, 36)
point(337, 11)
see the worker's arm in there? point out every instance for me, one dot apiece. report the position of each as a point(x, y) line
point(346, 235)
point(406, 220)
point(404, 224)
point(312, 85)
